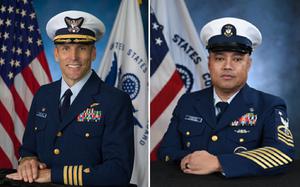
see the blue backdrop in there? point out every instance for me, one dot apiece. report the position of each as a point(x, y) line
point(106, 10)
point(276, 63)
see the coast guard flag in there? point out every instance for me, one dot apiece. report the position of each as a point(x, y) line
point(189, 57)
point(23, 69)
point(125, 66)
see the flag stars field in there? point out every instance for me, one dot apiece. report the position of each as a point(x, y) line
point(155, 26)
point(158, 41)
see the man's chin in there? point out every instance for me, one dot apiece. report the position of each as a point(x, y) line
point(230, 88)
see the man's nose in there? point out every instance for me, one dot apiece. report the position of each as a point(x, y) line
point(228, 63)
point(73, 54)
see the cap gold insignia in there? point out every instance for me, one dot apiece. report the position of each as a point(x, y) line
point(74, 24)
point(228, 31)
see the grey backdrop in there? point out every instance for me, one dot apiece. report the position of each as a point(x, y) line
point(276, 63)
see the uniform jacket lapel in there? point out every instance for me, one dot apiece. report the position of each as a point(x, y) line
point(238, 107)
point(53, 107)
point(83, 99)
point(204, 106)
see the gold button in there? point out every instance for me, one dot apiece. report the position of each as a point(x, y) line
point(35, 128)
point(214, 138)
point(187, 133)
point(59, 134)
point(188, 144)
point(242, 140)
point(87, 135)
point(56, 151)
point(167, 158)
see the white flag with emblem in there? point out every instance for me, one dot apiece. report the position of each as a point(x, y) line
point(125, 66)
point(184, 44)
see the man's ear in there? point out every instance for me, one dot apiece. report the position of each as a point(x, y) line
point(94, 53)
point(209, 63)
point(249, 63)
point(56, 54)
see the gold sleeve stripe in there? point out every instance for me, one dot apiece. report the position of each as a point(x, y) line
point(285, 135)
point(258, 158)
point(270, 156)
point(65, 175)
point(287, 143)
point(70, 175)
point(253, 159)
point(75, 175)
point(80, 176)
point(275, 154)
point(264, 157)
point(286, 138)
point(281, 153)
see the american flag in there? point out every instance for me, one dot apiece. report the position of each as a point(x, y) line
point(178, 65)
point(166, 85)
point(23, 69)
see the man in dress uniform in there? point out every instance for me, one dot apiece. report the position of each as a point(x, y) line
point(80, 130)
point(230, 127)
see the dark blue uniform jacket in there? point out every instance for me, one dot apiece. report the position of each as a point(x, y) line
point(93, 145)
point(251, 138)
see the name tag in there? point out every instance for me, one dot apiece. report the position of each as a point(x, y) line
point(193, 118)
point(41, 114)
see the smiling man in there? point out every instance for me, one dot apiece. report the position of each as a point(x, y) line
point(80, 130)
point(230, 127)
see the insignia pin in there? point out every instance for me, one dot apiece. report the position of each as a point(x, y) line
point(94, 104)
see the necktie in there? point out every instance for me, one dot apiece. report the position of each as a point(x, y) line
point(65, 104)
point(222, 106)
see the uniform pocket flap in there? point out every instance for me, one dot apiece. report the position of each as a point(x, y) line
point(88, 131)
point(40, 125)
point(191, 128)
point(242, 138)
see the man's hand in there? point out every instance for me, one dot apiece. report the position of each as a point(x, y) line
point(44, 176)
point(200, 163)
point(184, 164)
point(28, 170)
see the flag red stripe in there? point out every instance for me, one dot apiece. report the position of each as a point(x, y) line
point(4, 161)
point(43, 61)
point(30, 80)
point(153, 155)
point(20, 107)
point(165, 96)
point(8, 125)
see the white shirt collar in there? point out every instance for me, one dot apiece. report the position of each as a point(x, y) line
point(76, 87)
point(218, 99)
